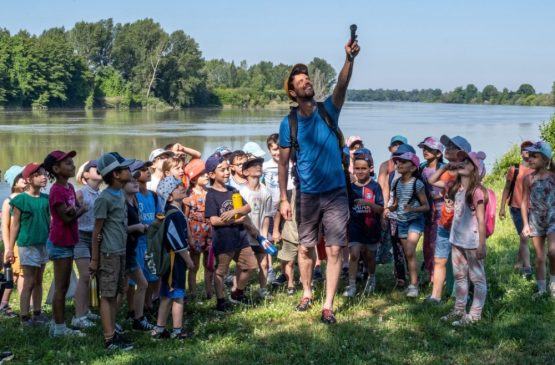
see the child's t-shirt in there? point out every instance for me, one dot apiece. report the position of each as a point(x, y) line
point(234, 184)
point(110, 206)
point(260, 202)
point(225, 238)
point(445, 219)
point(132, 219)
point(175, 240)
point(35, 219)
point(523, 171)
point(271, 181)
point(148, 207)
point(364, 225)
point(61, 233)
point(407, 193)
point(464, 229)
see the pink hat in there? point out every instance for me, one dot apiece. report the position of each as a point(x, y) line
point(477, 159)
point(408, 156)
point(352, 139)
point(432, 143)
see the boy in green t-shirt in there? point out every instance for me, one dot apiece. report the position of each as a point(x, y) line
point(29, 228)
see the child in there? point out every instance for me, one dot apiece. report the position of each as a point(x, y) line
point(236, 160)
point(432, 151)
point(29, 228)
point(539, 200)
point(468, 238)
point(108, 254)
point(201, 232)
point(229, 237)
point(512, 193)
point(260, 201)
point(171, 193)
point(444, 178)
point(88, 176)
point(173, 166)
point(364, 224)
point(352, 144)
point(409, 204)
point(64, 233)
point(135, 229)
point(17, 184)
point(157, 158)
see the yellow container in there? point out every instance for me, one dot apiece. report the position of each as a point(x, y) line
point(237, 201)
point(93, 292)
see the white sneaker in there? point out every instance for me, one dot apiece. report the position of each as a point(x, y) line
point(370, 285)
point(54, 332)
point(81, 322)
point(350, 291)
point(92, 316)
point(412, 291)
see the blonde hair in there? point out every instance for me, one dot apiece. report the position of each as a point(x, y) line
point(170, 163)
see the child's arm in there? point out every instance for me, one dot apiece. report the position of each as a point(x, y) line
point(383, 180)
point(230, 214)
point(15, 224)
point(424, 205)
point(68, 214)
point(505, 194)
point(137, 228)
point(435, 178)
point(187, 258)
point(276, 234)
point(265, 226)
point(524, 206)
point(95, 245)
point(481, 217)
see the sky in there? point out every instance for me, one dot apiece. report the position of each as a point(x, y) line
point(404, 44)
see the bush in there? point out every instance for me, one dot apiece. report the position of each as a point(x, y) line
point(500, 167)
point(547, 131)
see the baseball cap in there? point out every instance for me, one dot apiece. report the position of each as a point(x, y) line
point(525, 144)
point(432, 143)
point(398, 138)
point(159, 152)
point(11, 173)
point(108, 162)
point(254, 149)
point(404, 148)
point(408, 156)
point(363, 152)
point(477, 159)
point(138, 165)
point(213, 161)
point(85, 168)
point(541, 147)
point(352, 139)
point(166, 186)
point(299, 68)
point(56, 156)
point(194, 168)
point(30, 169)
point(252, 160)
point(223, 150)
point(460, 142)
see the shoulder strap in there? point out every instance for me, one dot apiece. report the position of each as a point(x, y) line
point(335, 129)
point(293, 130)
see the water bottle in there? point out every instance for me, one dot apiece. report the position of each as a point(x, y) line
point(267, 245)
point(8, 275)
point(237, 201)
point(93, 292)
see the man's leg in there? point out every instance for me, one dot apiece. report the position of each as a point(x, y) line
point(333, 270)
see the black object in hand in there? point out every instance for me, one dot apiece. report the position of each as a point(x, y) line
point(353, 32)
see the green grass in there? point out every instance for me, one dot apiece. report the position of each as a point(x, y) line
point(385, 328)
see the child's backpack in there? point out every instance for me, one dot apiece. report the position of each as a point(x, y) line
point(157, 258)
point(491, 206)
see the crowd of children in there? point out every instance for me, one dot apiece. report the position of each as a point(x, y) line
point(191, 209)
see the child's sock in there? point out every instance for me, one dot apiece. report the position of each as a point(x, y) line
point(541, 285)
point(159, 329)
point(176, 331)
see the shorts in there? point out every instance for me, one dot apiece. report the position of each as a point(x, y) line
point(140, 259)
point(370, 246)
point(172, 294)
point(131, 264)
point(517, 219)
point(414, 225)
point(111, 275)
point(16, 265)
point(443, 246)
point(244, 258)
point(258, 250)
point(34, 256)
point(541, 225)
point(331, 209)
point(58, 252)
point(82, 249)
point(289, 251)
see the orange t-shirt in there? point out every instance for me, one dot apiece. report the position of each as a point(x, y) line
point(446, 217)
point(523, 171)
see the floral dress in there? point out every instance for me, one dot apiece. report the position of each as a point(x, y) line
point(542, 205)
point(201, 230)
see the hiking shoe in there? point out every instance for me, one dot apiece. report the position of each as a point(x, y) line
point(183, 334)
point(291, 291)
point(237, 298)
point(526, 272)
point(142, 324)
point(263, 293)
point(81, 322)
point(160, 335)
point(6, 356)
point(328, 317)
point(452, 315)
point(65, 332)
point(370, 285)
point(465, 320)
point(281, 280)
point(224, 307)
point(41, 319)
point(271, 275)
point(92, 316)
point(350, 291)
point(7, 313)
point(412, 291)
point(552, 289)
point(304, 304)
point(118, 344)
point(432, 301)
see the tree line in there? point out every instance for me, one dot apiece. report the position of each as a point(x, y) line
point(138, 64)
point(525, 95)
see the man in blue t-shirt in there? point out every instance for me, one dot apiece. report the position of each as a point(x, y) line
point(323, 196)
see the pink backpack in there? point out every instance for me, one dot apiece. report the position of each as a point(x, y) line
point(490, 213)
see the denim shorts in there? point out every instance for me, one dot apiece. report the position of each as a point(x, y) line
point(173, 294)
point(517, 219)
point(34, 256)
point(82, 249)
point(443, 246)
point(58, 252)
point(414, 225)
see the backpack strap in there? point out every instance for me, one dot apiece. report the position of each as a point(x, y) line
point(516, 170)
point(293, 131)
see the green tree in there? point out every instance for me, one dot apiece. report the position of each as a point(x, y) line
point(5, 45)
point(326, 73)
point(490, 94)
point(553, 94)
point(470, 93)
point(526, 90)
point(93, 41)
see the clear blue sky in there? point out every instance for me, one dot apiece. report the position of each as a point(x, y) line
point(405, 44)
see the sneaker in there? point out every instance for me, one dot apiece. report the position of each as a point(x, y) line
point(224, 307)
point(304, 305)
point(7, 313)
point(236, 298)
point(29, 323)
point(228, 280)
point(6, 356)
point(412, 291)
point(263, 293)
point(452, 315)
point(160, 335)
point(119, 329)
point(526, 272)
point(328, 317)
point(118, 344)
point(92, 316)
point(183, 334)
point(81, 322)
point(370, 285)
point(65, 332)
point(271, 275)
point(317, 274)
point(291, 291)
point(432, 301)
point(465, 320)
point(142, 324)
point(350, 291)
point(41, 319)
point(281, 280)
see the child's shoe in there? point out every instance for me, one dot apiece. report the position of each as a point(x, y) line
point(81, 322)
point(92, 316)
point(350, 291)
point(328, 317)
point(452, 315)
point(181, 334)
point(41, 319)
point(237, 297)
point(291, 291)
point(263, 293)
point(63, 331)
point(117, 344)
point(142, 324)
point(159, 333)
point(412, 291)
point(552, 289)
point(224, 306)
point(466, 320)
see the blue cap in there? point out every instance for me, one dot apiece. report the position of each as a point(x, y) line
point(12, 173)
point(363, 151)
point(139, 164)
point(404, 148)
point(541, 147)
point(213, 161)
point(398, 138)
point(460, 142)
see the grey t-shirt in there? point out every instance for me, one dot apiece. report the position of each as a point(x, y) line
point(110, 206)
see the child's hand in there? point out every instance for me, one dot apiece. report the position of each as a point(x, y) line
point(392, 208)
point(226, 216)
point(481, 252)
point(70, 211)
point(9, 256)
point(240, 220)
point(408, 209)
point(526, 230)
point(502, 213)
point(93, 267)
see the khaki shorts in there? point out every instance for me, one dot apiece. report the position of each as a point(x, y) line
point(244, 259)
point(289, 251)
point(16, 266)
point(111, 275)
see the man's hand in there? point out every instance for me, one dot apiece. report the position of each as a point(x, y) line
point(352, 50)
point(285, 210)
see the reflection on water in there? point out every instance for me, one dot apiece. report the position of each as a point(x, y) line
point(29, 135)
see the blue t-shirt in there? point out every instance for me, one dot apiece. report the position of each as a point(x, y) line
point(147, 211)
point(318, 158)
point(364, 225)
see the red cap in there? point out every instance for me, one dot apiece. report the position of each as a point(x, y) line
point(56, 156)
point(194, 168)
point(30, 169)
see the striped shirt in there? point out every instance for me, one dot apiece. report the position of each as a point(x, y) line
point(408, 193)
